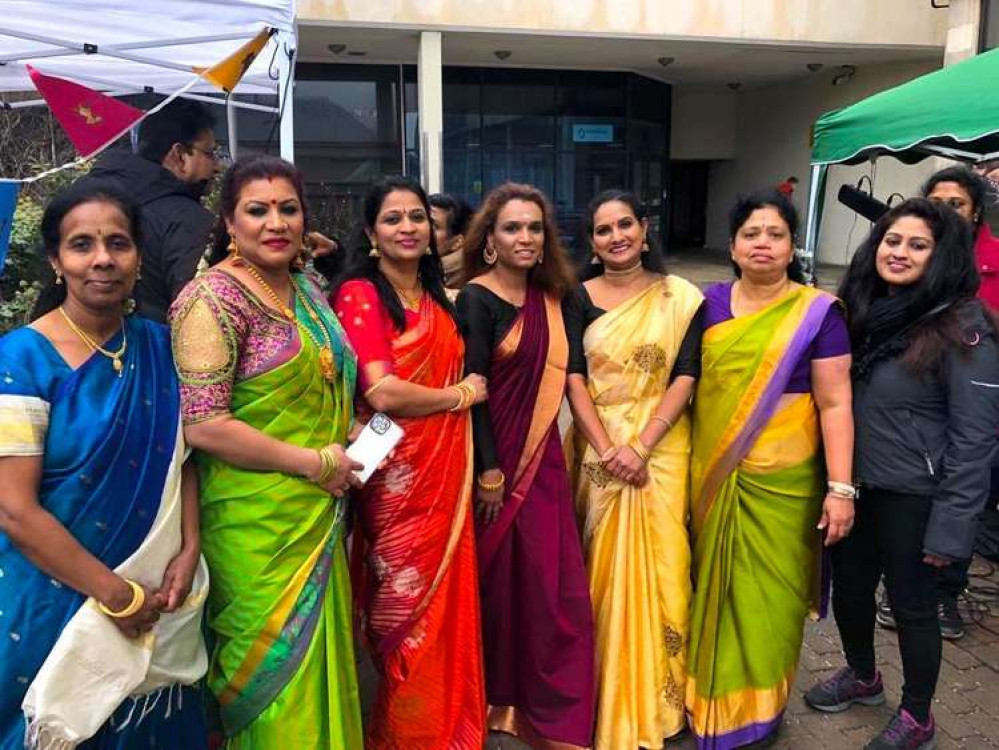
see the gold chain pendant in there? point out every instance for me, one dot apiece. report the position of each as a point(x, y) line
point(327, 364)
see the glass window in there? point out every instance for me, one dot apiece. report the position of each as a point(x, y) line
point(518, 109)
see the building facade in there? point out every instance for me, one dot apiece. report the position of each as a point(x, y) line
point(686, 102)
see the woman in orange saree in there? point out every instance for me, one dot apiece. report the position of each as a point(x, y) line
point(418, 583)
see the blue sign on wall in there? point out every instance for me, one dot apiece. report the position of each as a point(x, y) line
point(593, 133)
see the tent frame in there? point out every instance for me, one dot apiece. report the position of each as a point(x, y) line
point(286, 71)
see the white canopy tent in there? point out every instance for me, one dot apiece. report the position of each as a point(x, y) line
point(125, 47)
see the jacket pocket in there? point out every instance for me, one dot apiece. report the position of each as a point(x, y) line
point(921, 444)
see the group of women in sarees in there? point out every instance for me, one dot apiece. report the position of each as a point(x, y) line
point(651, 571)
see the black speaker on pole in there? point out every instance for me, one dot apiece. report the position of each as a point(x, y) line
point(864, 204)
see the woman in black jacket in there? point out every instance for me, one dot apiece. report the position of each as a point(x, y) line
point(926, 406)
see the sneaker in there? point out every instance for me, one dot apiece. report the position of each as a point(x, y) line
point(905, 733)
point(842, 690)
point(949, 617)
point(884, 614)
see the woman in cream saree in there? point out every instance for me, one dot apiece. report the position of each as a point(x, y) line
point(632, 368)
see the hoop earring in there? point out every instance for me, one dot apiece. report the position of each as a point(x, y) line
point(489, 256)
point(374, 250)
point(58, 276)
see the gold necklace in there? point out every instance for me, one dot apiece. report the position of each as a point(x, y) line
point(620, 273)
point(255, 274)
point(115, 357)
point(327, 362)
point(407, 300)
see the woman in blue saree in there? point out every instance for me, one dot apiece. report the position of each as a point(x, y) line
point(101, 579)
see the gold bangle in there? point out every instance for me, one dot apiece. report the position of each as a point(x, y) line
point(328, 464)
point(138, 599)
point(377, 385)
point(491, 486)
point(665, 420)
point(640, 450)
point(461, 398)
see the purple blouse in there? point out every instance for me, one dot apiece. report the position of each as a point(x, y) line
point(832, 340)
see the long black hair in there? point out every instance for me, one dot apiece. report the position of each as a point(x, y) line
point(357, 262)
point(743, 209)
point(653, 260)
point(950, 276)
point(257, 167)
point(86, 190)
point(971, 183)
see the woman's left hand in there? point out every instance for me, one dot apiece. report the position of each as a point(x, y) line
point(178, 578)
point(935, 561)
point(626, 465)
point(837, 518)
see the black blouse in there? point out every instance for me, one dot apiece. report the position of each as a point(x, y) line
point(579, 312)
point(484, 319)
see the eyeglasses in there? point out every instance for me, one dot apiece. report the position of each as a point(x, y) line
point(219, 153)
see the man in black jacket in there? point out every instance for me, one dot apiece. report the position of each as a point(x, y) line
point(174, 167)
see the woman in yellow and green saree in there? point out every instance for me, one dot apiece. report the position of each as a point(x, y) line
point(772, 422)
point(267, 382)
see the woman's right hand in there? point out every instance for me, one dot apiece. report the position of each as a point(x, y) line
point(343, 478)
point(143, 620)
point(627, 466)
point(478, 384)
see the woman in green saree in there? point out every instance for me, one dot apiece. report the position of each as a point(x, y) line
point(772, 402)
point(267, 381)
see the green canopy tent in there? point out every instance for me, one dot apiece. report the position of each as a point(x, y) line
point(952, 112)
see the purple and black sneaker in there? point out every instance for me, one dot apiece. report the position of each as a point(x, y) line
point(843, 689)
point(905, 733)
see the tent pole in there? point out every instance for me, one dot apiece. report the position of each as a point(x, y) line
point(286, 93)
point(232, 132)
point(816, 195)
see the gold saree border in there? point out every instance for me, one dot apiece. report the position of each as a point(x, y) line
point(512, 721)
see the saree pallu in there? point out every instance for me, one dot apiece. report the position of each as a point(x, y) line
point(638, 553)
point(282, 668)
point(419, 593)
point(537, 620)
point(110, 454)
point(756, 490)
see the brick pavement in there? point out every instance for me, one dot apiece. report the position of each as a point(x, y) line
point(966, 706)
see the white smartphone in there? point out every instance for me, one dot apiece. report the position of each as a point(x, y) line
point(379, 436)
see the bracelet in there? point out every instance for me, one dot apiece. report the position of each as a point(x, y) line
point(460, 406)
point(605, 456)
point(844, 490)
point(640, 450)
point(376, 386)
point(138, 599)
point(328, 464)
point(491, 486)
point(665, 420)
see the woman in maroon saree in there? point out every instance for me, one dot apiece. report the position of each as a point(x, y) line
point(537, 619)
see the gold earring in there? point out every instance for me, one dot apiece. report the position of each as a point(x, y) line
point(428, 251)
point(58, 275)
point(489, 255)
point(373, 253)
point(233, 248)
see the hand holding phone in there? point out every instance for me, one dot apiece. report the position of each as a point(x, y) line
point(379, 436)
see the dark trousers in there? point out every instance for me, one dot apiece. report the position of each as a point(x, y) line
point(952, 580)
point(887, 538)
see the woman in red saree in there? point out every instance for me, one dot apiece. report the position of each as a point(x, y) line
point(537, 618)
point(417, 589)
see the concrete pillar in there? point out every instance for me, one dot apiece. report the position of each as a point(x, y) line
point(964, 22)
point(430, 97)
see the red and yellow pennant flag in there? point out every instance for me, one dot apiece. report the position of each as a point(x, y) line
point(226, 74)
point(90, 118)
